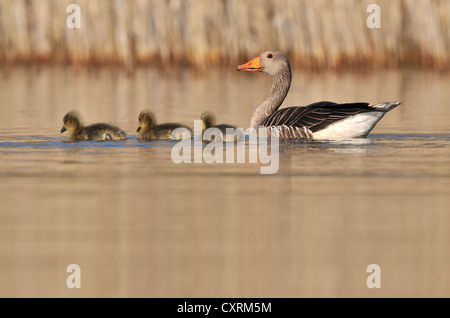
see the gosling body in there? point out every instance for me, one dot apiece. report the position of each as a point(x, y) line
point(149, 130)
point(78, 132)
point(228, 132)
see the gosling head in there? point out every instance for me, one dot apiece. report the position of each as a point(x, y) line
point(272, 63)
point(208, 120)
point(71, 122)
point(147, 120)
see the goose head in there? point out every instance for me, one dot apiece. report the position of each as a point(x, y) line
point(272, 63)
point(71, 122)
point(147, 119)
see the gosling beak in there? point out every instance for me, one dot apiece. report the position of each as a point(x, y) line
point(139, 129)
point(63, 129)
point(252, 66)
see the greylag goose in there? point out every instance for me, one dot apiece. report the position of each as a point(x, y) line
point(78, 132)
point(209, 121)
point(322, 120)
point(149, 130)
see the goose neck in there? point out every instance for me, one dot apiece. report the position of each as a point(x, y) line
point(277, 93)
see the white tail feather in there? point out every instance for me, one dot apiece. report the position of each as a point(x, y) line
point(387, 106)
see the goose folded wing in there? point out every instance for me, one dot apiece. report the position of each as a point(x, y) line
point(315, 116)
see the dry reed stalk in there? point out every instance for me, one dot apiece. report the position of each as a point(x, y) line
point(317, 34)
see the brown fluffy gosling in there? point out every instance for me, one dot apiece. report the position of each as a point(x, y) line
point(149, 130)
point(78, 132)
point(209, 121)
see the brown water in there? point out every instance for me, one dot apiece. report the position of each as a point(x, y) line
point(140, 225)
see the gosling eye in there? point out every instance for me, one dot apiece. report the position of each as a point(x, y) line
point(65, 121)
point(269, 56)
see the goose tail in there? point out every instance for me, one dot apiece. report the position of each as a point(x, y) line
point(386, 106)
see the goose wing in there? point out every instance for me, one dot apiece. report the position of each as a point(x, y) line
point(315, 116)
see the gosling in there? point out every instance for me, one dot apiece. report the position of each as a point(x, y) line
point(149, 130)
point(78, 132)
point(209, 121)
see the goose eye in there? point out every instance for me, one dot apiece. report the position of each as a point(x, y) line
point(269, 56)
point(65, 121)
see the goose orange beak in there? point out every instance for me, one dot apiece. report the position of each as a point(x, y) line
point(252, 66)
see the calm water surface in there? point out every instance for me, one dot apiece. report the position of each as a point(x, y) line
point(140, 225)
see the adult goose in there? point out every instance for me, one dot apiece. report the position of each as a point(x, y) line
point(78, 132)
point(322, 120)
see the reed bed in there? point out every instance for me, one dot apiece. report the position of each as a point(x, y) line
point(315, 34)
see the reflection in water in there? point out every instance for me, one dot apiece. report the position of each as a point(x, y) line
point(140, 225)
point(353, 145)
